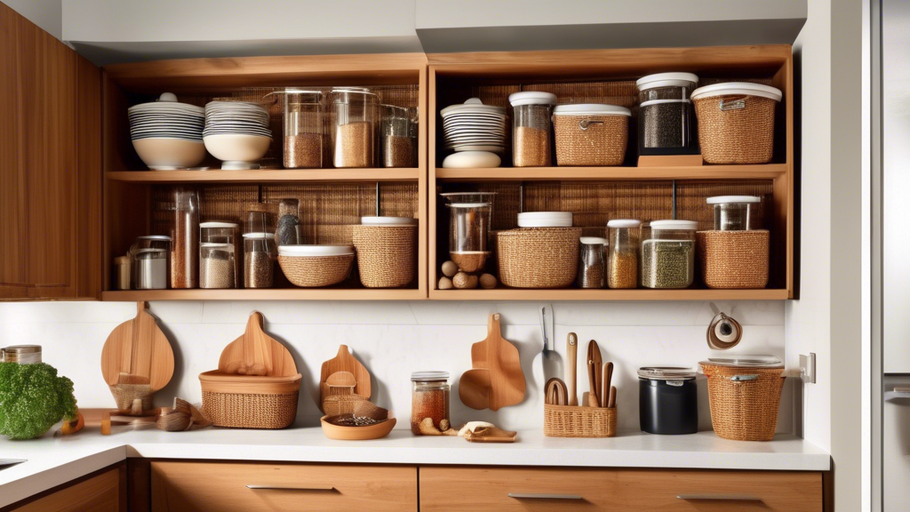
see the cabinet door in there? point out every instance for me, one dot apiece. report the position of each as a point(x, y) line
point(50, 166)
point(102, 493)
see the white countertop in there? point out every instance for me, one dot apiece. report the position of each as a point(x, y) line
point(56, 460)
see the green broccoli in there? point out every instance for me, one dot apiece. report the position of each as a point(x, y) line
point(32, 399)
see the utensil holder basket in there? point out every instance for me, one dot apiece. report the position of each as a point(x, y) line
point(316, 271)
point(578, 421)
point(241, 401)
point(386, 255)
point(538, 257)
point(742, 135)
point(602, 141)
point(734, 259)
point(744, 401)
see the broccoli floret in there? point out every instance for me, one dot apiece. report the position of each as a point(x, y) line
point(32, 399)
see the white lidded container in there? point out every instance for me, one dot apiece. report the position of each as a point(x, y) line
point(736, 122)
point(665, 114)
point(591, 134)
point(545, 220)
point(668, 254)
point(733, 213)
point(531, 139)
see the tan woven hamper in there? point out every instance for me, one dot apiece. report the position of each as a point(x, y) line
point(538, 257)
point(744, 410)
point(577, 421)
point(734, 259)
point(736, 122)
point(316, 271)
point(245, 401)
point(590, 134)
point(386, 255)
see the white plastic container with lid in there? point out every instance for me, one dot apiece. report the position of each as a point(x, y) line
point(736, 122)
point(591, 134)
point(668, 255)
point(315, 250)
point(733, 213)
point(388, 221)
point(622, 264)
point(531, 111)
point(666, 86)
point(545, 220)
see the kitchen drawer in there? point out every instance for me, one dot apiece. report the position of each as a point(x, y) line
point(489, 489)
point(190, 486)
point(100, 493)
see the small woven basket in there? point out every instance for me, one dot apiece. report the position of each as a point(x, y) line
point(744, 410)
point(242, 401)
point(742, 135)
point(576, 421)
point(538, 257)
point(386, 255)
point(316, 271)
point(734, 259)
point(602, 142)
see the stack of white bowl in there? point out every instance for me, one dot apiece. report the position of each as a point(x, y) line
point(476, 132)
point(167, 134)
point(237, 133)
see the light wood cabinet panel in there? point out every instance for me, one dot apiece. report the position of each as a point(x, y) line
point(196, 486)
point(101, 493)
point(50, 166)
point(545, 489)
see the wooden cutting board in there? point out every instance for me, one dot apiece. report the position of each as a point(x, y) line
point(137, 348)
point(257, 353)
point(344, 362)
point(500, 357)
point(491, 435)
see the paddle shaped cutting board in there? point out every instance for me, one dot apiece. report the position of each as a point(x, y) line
point(344, 362)
point(257, 353)
point(137, 350)
point(500, 358)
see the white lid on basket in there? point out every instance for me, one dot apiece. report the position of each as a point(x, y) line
point(623, 223)
point(472, 106)
point(259, 236)
point(594, 240)
point(388, 221)
point(545, 220)
point(315, 250)
point(733, 199)
point(686, 225)
point(737, 88)
point(655, 102)
point(600, 109)
point(666, 80)
point(532, 98)
point(215, 224)
point(745, 361)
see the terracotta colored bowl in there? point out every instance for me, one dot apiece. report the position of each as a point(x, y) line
point(376, 431)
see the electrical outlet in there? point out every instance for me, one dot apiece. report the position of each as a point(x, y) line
point(807, 367)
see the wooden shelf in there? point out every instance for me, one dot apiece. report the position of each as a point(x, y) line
point(766, 171)
point(265, 175)
point(267, 294)
point(501, 294)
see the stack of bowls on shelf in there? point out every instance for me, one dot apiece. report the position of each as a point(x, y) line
point(476, 132)
point(167, 134)
point(237, 133)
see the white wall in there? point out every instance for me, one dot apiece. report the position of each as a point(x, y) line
point(47, 14)
point(394, 339)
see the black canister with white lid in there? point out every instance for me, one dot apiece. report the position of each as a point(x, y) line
point(667, 400)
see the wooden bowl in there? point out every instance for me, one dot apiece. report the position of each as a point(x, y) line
point(376, 431)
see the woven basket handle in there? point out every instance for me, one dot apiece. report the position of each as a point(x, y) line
point(742, 378)
point(583, 124)
point(732, 103)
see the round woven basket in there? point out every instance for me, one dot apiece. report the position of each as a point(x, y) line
point(736, 135)
point(602, 143)
point(574, 421)
point(386, 255)
point(734, 259)
point(744, 410)
point(538, 257)
point(316, 271)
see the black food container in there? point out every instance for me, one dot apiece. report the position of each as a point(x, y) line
point(667, 400)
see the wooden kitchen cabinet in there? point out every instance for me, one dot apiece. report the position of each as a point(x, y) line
point(203, 486)
point(633, 490)
point(50, 166)
point(104, 492)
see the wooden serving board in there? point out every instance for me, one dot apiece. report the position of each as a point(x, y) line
point(345, 362)
point(500, 357)
point(491, 435)
point(257, 353)
point(138, 349)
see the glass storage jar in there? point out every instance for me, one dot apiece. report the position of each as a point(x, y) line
point(304, 132)
point(22, 354)
point(399, 146)
point(591, 264)
point(355, 123)
point(666, 118)
point(470, 214)
point(531, 139)
point(733, 213)
point(259, 217)
point(622, 264)
point(185, 238)
point(668, 254)
point(666, 86)
point(217, 266)
point(259, 255)
point(150, 262)
point(429, 398)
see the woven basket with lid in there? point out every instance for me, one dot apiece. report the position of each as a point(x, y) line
point(736, 122)
point(591, 134)
point(744, 401)
point(538, 257)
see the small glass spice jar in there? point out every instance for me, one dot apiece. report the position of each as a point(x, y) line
point(429, 398)
point(355, 127)
point(622, 265)
point(22, 354)
point(733, 213)
point(668, 254)
point(591, 263)
point(531, 141)
point(259, 255)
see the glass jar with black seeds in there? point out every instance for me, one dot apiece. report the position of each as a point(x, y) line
point(666, 123)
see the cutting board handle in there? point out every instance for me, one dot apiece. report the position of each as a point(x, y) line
point(142, 307)
point(493, 324)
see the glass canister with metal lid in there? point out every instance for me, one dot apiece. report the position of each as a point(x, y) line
point(667, 400)
point(22, 354)
point(150, 262)
point(429, 399)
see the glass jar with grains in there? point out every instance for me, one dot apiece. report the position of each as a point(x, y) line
point(668, 254)
point(531, 141)
point(622, 264)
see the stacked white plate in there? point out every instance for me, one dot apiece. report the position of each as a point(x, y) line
point(167, 134)
point(237, 133)
point(474, 126)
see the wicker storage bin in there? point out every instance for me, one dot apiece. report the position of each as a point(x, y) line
point(316, 271)
point(576, 421)
point(386, 255)
point(736, 122)
point(244, 401)
point(744, 410)
point(734, 259)
point(591, 134)
point(538, 257)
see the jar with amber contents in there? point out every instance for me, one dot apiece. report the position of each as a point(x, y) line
point(429, 398)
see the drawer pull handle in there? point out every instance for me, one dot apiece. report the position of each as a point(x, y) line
point(527, 496)
point(717, 497)
point(317, 488)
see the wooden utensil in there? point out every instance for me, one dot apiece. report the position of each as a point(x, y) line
point(500, 357)
point(593, 400)
point(341, 383)
point(607, 384)
point(257, 353)
point(474, 388)
point(490, 435)
point(344, 362)
point(556, 392)
point(138, 352)
point(611, 402)
point(572, 370)
point(595, 355)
